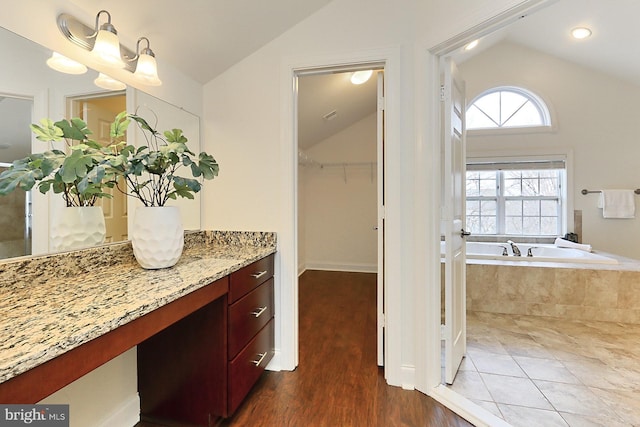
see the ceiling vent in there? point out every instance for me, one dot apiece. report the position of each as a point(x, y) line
point(330, 115)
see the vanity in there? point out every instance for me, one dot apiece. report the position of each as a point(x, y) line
point(204, 328)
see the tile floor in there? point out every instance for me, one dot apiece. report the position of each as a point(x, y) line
point(538, 371)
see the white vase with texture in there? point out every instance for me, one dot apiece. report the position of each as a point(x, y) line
point(76, 227)
point(157, 236)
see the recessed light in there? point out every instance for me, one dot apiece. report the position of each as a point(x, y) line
point(581, 33)
point(471, 45)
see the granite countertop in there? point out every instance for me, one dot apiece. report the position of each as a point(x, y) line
point(53, 304)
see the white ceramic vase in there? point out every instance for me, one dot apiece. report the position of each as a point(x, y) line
point(76, 228)
point(157, 236)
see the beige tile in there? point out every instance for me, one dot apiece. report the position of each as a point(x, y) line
point(575, 420)
point(546, 369)
point(470, 385)
point(489, 406)
point(575, 399)
point(515, 391)
point(520, 416)
point(499, 364)
point(625, 403)
point(628, 295)
point(467, 364)
point(601, 294)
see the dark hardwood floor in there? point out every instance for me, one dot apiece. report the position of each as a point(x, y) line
point(338, 382)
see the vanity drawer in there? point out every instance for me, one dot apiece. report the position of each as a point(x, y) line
point(249, 277)
point(248, 315)
point(247, 367)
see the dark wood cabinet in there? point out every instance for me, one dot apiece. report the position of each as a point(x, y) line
point(201, 368)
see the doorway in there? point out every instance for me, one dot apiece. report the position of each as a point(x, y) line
point(99, 112)
point(339, 175)
point(16, 207)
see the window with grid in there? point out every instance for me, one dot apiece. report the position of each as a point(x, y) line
point(507, 107)
point(518, 198)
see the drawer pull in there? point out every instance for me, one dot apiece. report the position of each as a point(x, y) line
point(259, 274)
point(259, 361)
point(259, 311)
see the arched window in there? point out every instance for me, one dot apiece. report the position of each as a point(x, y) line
point(507, 107)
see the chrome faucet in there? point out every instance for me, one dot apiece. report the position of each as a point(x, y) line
point(504, 251)
point(514, 248)
point(529, 252)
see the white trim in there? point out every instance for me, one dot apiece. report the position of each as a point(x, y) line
point(466, 408)
point(127, 414)
point(287, 288)
point(339, 266)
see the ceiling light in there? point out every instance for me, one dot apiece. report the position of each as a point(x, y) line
point(65, 65)
point(471, 45)
point(581, 33)
point(360, 77)
point(147, 68)
point(109, 83)
point(102, 41)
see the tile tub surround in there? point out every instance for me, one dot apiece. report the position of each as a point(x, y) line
point(563, 291)
point(52, 304)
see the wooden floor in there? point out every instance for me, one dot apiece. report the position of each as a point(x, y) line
point(337, 382)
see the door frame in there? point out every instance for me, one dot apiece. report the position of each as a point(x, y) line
point(287, 351)
point(428, 333)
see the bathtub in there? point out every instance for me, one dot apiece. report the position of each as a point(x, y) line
point(540, 252)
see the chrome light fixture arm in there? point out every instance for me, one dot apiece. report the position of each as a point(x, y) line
point(84, 36)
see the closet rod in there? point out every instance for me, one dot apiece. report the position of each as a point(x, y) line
point(340, 165)
point(585, 191)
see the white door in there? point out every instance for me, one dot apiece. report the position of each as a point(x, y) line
point(380, 225)
point(99, 120)
point(453, 216)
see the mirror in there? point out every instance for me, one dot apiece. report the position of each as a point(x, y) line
point(27, 97)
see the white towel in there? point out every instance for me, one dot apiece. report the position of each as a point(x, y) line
point(617, 203)
point(562, 243)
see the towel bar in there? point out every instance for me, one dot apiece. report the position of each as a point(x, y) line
point(637, 191)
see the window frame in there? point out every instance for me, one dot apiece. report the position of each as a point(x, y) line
point(541, 105)
point(564, 203)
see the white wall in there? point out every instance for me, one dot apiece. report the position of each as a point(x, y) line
point(594, 114)
point(340, 203)
point(247, 120)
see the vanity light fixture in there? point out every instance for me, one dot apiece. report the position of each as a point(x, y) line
point(360, 77)
point(102, 42)
point(581, 33)
point(63, 64)
point(106, 48)
point(146, 68)
point(107, 82)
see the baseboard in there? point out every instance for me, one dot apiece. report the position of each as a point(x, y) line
point(408, 376)
point(351, 268)
point(127, 414)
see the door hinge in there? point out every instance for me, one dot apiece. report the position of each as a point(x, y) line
point(443, 332)
point(381, 103)
point(383, 320)
point(442, 93)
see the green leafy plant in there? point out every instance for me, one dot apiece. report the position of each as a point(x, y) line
point(151, 170)
point(81, 174)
